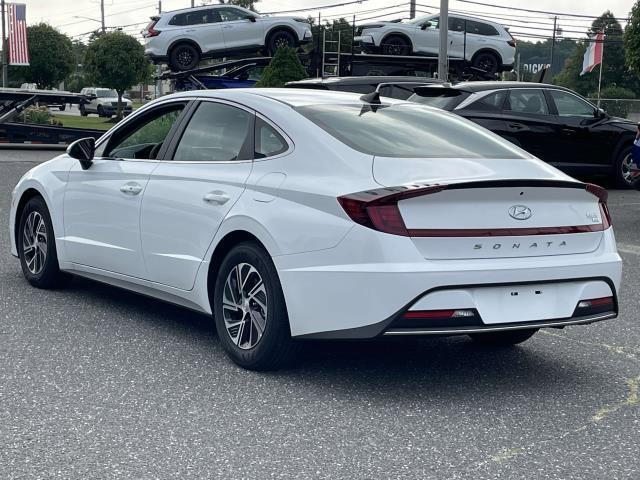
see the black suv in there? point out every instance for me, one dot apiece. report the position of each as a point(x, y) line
point(553, 123)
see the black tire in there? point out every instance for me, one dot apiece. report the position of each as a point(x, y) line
point(46, 273)
point(272, 349)
point(621, 175)
point(184, 56)
point(83, 111)
point(100, 111)
point(396, 45)
point(62, 107)
point(503, 339)
point(486, 61)
point(280, 38)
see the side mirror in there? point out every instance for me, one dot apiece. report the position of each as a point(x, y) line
point(425, 25)
point(600, 113)
point(251, 18)
point(83, 151)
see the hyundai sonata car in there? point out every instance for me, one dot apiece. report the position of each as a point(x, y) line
point(292, 214)
point(487, 45)
point(184, 37)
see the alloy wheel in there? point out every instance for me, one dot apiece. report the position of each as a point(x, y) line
point(185, 58)
point(395, 47)
point(244, 306)
point(281, 41)
point(34, 243)
point(625, 168)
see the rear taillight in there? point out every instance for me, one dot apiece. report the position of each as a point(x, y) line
point(378, 209)
point(602, 195)
point(152, 32)
point(512, 43)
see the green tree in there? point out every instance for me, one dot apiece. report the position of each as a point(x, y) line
point(284, 67)
point(614, 72)
point(116, 60)
point(51, 58)
point(632, 39)
point(249, 4)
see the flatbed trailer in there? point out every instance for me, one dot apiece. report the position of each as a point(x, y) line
point(14, 101)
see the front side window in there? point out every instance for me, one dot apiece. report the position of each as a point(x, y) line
point(231, 14)
point(268, 142)
point(106, 93)
point(407, 130)
point(569, 105)
point(527, 101)
point(217, 132)
point(147, 136)
point(456, 24)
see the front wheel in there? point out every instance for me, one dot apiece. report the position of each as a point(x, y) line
point(486, 61)
point(622, 174)
point(395, 45)
point(83, 111)
point(249, 310)
point(503, 339)
point(281, 38)
point(37, 247)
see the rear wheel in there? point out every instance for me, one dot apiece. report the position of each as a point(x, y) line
point(486, 61)
point(622, 174)
point(184, 56)
point(395, 45)
point(100, 111)
point(249, 310)
point(37, 247)
point(280, 38)
point(503, 339)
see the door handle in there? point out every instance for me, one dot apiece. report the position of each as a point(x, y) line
point(516, 126)
point(569, 131)
point(131, 188)
point(216, 198)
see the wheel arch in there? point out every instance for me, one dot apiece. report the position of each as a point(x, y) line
point(27, 195)
point(188, 41)
point(276, 28)
point(402, 35)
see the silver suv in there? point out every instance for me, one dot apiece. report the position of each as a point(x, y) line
point(104, 102)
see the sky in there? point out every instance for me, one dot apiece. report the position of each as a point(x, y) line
point(133, 15)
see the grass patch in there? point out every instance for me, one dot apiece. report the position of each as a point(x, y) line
point(92, 122)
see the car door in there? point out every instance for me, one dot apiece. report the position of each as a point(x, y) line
point(191, 192)
point(576, 143)
point(240, 31)
point(426, 37)
point(528, 121)
point(203, 26)
point(456, 37)
point(102, 203)
point(487, 111)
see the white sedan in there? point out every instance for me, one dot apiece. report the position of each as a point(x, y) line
point(290, 214)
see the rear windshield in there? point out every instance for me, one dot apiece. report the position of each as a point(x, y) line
point(406, 130)
point(435, 97)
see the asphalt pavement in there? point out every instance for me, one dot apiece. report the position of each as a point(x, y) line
point(99, 383)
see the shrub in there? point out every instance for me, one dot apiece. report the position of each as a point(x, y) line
point(284, 67)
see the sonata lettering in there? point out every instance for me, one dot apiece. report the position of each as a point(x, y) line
point(498, 246)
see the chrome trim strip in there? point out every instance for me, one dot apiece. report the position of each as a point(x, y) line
point(498, 328)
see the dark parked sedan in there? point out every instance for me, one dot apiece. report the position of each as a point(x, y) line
point(553, 123)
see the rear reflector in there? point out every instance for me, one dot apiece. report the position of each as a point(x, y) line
point(596, 302)
point(438, 314)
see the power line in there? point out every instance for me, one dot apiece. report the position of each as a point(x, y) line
point(532, 11)
point(321, 7)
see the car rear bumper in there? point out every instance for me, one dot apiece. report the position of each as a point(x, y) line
point(342, 293)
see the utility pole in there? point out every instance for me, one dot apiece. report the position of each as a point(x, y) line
point(159, 6)
point(553, 42)
point(3, 44)
point(443, 63)
point(102, 15)
point(412, 9)
point(193, 3)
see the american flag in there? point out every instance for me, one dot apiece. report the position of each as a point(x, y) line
point(18, 50)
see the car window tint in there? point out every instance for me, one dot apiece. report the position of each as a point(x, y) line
point(190, 18)
point(456, 24)
point(489, 103)
point(216, 133)
point(408, 130)
point(401, 91)
point(569, 105)
point(434, 22)
point(146, 138)
point(231, 14)
point(479, 28)
point(268, 141)
point(527, 101)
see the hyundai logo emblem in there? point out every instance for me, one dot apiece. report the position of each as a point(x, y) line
point(520, 212)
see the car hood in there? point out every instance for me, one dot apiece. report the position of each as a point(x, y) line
point(113, 99)
point(622, 123)
point(400, 171)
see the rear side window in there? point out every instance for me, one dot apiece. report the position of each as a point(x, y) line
point(527, 101)
point(217, 132)
point(479, 28)
point(198, 17)
point(407, 130)
point(489, 103)
point(268, 142)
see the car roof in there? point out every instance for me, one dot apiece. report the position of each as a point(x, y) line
point(462, 16)
point(289, 96)
point(494, 85)
point(363, 80)
point(204, 7)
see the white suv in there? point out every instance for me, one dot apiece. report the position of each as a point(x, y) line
point(184, 37)
point(104, 102)
point(487, 45)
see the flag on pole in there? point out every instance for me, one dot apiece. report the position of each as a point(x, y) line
point(18, 49)
point(593, 55)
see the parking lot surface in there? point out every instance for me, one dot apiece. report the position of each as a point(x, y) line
point(96, 382)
